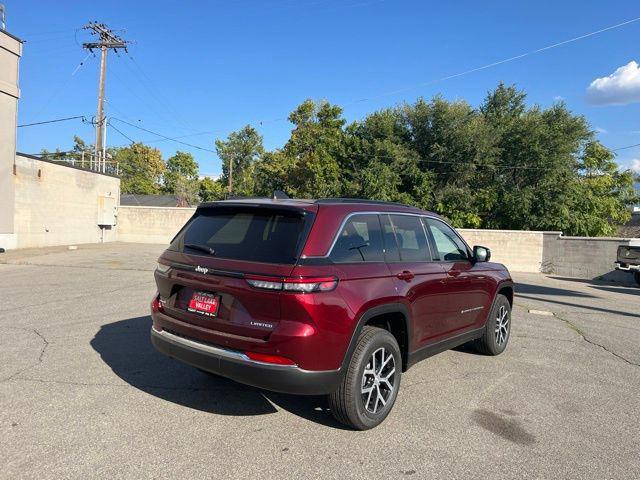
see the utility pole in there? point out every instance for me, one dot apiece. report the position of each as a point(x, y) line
point(230, 174)
point(107, 40)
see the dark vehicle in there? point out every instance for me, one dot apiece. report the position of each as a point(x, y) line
point(629, 260)
point(332, 296)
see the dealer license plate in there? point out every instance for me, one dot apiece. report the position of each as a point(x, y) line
point(204, 303)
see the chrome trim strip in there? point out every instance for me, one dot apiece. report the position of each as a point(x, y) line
point(346, 219)
point(218, 351)
point(419, 215)
point(474, 309)
point(210, 271)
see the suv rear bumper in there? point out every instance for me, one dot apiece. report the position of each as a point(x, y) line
point(237, 366)
point(627, 267)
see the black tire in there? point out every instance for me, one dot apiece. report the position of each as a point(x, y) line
point(490, 343)
point(636, 276)
point(347, 403)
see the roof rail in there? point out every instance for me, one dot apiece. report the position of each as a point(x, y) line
point(361, 200)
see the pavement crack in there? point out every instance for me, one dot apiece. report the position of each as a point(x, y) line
point(44, 347)
point(45, 344)
point(584, 337)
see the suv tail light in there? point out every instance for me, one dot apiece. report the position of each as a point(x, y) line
point(157, 304)
point(295, 285)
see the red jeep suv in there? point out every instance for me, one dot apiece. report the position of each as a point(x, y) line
point(332, 296)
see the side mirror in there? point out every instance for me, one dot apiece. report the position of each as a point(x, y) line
point(481, 254)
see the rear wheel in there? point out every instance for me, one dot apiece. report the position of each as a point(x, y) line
point(371, 383)
point(498, 328)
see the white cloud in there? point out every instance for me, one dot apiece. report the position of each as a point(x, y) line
point(635, 165)
point(558, 98)
point(619, 88)
point(602, 131)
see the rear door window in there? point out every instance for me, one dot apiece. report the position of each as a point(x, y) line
point(360, 240)
point(391, 252)
point(412, 240)
point(249, 234)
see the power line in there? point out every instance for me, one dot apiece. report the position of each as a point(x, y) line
point(52, 121)
point(476, 69)
point(158, 97)
point(120, 132)
point(444, 162)
point(624, 148)
point(500, 62)
point(198, 147)
point(63, 86)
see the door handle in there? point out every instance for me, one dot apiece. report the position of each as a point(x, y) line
point(454, 273)
point(405, 275)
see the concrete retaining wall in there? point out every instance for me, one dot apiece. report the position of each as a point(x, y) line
point(151, 224)
point(521, 251)
point(59, 205)
point(584, 257)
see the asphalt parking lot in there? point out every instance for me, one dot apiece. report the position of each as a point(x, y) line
point(84, 395)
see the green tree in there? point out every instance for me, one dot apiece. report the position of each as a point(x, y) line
point(141, 168)
point(240, 151)
point(209, 190)
point(535, 169)
point(312, 164)
point(386, 166)
point(181, 170)
point(601, 193)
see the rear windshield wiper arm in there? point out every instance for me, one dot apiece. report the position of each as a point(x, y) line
point(200, 248)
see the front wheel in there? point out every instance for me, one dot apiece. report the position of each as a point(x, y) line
point(371, 383)
point(497, 330)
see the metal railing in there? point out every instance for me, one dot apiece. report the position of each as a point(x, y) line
point(85, 160)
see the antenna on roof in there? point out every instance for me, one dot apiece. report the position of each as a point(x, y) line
point(280, 195)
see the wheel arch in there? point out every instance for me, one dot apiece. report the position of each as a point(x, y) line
point(507, 290)
point(393, 317)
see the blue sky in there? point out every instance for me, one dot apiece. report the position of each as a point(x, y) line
point(215, 66)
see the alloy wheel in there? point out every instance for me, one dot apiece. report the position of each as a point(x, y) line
point(378, 380)
point(502, 325)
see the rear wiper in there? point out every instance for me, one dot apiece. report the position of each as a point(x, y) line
point(200, 248)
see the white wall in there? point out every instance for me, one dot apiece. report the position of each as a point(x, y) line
point(520, 251)
point(57, 204)
point(10, 52)
point(151, 224)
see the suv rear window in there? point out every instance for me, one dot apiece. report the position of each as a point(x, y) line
point(249, 234)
